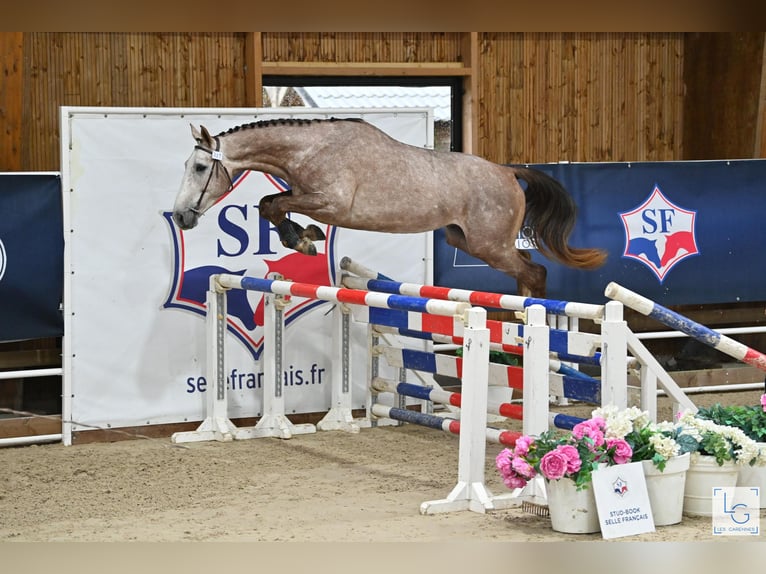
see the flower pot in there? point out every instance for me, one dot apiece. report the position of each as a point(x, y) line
point(666, 489)
point(572, 511)
point(703, 475)
point(754, 476)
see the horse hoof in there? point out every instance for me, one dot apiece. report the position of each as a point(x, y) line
point(306, 247)
point(314, 233)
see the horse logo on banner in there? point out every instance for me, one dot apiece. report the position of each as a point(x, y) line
point(234, 239)
point(659, 233)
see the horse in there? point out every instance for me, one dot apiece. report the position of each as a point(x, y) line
point(350, 174)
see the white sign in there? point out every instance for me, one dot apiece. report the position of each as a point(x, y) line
point(134, 344)
point(622, 500)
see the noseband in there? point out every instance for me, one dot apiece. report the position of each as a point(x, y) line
point(217, 156)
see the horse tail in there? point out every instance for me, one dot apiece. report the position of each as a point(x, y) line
point(551, 212)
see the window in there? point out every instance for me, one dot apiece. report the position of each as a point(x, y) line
point(444, 95)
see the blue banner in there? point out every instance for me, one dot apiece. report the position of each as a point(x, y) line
point(31, 256)
point(676, 232)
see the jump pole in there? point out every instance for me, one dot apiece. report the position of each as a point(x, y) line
point(368, 279)
point(691, 328)
point(216, 425)
point(448, 425)
point(506, 410)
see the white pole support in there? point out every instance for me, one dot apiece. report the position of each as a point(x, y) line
point(649, 392)
point(216, 425)
point(470, 493)
point(536, 371)
point(614, 356)
point(340, 416)
point(273, 422)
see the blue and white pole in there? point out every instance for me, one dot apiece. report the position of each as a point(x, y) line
point(695, 330)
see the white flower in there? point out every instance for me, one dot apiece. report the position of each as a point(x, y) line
point(664, 446)
point(621, 422)
point(665, 426)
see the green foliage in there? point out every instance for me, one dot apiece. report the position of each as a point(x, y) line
point(499, 357)
point(750, 419)
point(687, 443)
point(716, 445)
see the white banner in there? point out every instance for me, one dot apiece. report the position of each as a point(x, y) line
point(134, 344)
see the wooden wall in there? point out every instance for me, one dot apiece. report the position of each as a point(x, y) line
point(11, 88)
point(725, 118)
point(579, 97)
point(130, 69)
point(533, 97)
point(366, 47)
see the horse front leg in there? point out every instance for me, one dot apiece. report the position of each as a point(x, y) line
point(291, 234)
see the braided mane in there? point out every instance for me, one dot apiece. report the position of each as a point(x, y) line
point(285, 122)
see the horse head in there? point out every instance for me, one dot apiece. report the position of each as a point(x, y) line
point(206, 178)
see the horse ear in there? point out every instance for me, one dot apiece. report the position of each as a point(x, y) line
point(206, 137)
point(196, 134)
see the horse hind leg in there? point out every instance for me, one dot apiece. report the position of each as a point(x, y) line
point(530, 276)
point(531, 280)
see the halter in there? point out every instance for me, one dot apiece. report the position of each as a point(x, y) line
point(217, 156)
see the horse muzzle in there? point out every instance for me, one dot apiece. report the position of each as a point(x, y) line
point(186, 219)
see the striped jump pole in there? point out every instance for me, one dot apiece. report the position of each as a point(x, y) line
point(347, 264)
point(504, 333)
point(557, 366)
point(452, 426)
point(507, 410)
point(580, 387)
point(341, 295)
point(479, 298)
point(691, 328)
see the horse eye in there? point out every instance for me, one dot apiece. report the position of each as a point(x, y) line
point(199, 168)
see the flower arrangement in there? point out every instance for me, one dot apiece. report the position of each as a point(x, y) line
point(751, 419)
point(648, 440)
point(725, 443)
point(690, 433)
point(555, 455)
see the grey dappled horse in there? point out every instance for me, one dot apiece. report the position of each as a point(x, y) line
point(348, 173)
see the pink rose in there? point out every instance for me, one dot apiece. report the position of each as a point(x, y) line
point(522, 445)
point(592, 428)
point(763, 402)
point(553, 465)
point(622, 450)
point(572, 457)
point(522, 467)
point(513, 482)
point(503, 462)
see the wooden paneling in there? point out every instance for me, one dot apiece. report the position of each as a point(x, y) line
point(371, 47)
point(536, 97)
point(580, 97)
point(131, 69)
point(723, 77)
point(11, 72)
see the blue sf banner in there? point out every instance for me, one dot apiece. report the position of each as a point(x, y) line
point(31, 256)
point(676, 232)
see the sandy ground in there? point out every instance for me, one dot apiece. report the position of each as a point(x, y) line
point(329, 486)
